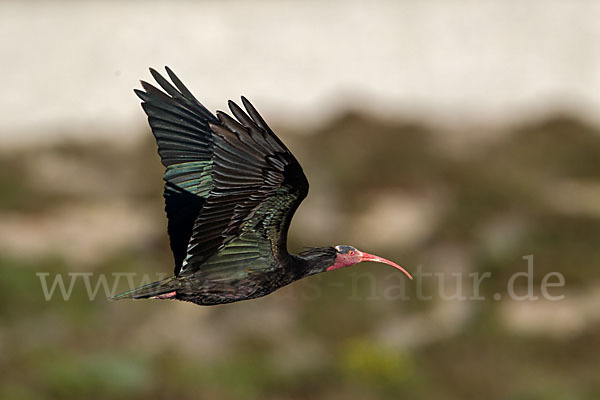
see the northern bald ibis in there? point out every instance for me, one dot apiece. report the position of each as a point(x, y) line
point(231, 189)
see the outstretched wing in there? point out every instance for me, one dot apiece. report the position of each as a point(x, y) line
point(185, 145)
point(231, 187)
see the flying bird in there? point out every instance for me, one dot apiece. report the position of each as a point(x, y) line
point(231, 189)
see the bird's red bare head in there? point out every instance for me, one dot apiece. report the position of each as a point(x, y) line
point(348, 255)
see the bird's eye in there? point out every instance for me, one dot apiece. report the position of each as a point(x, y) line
point(351, 252)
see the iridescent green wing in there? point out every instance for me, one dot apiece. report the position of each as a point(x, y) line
point(231, 187)
point(180, 124)
point(258, 185)
point(250, 252)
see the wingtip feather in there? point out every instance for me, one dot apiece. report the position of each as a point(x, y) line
point(139, 93)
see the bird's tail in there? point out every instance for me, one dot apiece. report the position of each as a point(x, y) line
point(164, 289)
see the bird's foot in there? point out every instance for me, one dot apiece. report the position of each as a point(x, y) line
point(165, 295)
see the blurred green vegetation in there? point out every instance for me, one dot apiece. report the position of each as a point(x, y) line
point(317, 338)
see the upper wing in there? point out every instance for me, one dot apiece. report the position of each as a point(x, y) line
point(226, 179)
point(185, 144)
point(258, 185)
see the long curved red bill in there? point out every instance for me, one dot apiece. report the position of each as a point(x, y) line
point(371, 257)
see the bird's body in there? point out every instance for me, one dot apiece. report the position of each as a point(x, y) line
point(231, 189)
point(206, 288)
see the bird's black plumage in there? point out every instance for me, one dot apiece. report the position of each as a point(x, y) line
point(231, 189)
point(182, 208)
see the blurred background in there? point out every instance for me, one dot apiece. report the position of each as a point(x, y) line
point(454, 137)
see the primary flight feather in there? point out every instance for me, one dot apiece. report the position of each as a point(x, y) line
point(231, 189)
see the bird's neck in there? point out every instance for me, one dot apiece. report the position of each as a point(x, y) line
point(313, 261)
